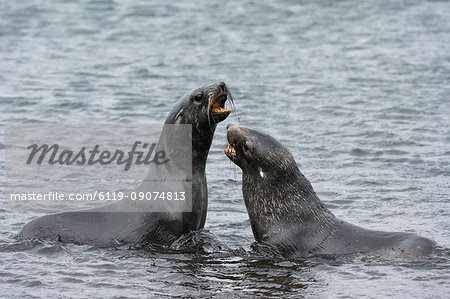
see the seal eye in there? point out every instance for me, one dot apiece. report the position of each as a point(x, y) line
point(198, 97)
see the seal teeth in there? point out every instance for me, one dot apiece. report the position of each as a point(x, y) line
point(219, 109)
point(230, 150)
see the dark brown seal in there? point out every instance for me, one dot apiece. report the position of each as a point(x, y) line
point(203, 108)
point(286, 213)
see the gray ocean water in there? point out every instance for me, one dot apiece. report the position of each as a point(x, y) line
point(358, 90)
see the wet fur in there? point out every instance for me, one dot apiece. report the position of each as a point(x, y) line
point(108, 226)
point(286, 213)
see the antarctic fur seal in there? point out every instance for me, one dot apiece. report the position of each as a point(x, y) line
point(286, 213)
point(203, 108)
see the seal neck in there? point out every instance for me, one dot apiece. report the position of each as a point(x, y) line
point(283, 205)
point(201, 143)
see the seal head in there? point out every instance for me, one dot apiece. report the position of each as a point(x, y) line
point(201, 106)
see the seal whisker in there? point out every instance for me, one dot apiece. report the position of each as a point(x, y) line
point(230, 96)
point(210, 101)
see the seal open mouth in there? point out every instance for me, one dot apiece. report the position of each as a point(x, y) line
point(232, 132)
point(218, 106)
point(218, 110)
point(217, 98)
point(230, 151)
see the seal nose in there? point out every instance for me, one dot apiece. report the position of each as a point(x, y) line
point(222, 86)
point(230, 125)
point(233, 132)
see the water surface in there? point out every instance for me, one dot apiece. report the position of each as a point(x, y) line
point(359, 92)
